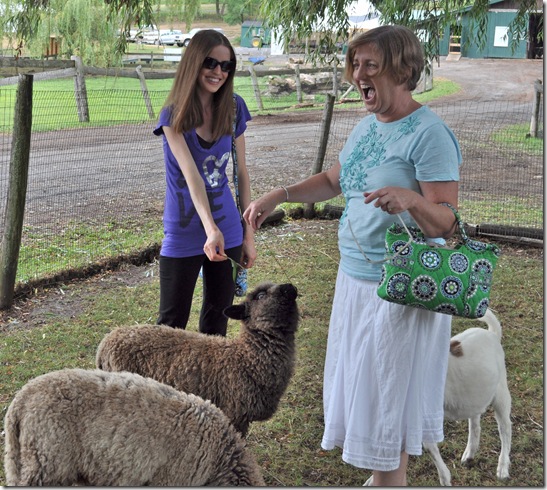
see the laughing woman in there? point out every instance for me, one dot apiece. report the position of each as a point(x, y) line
point(202, 224)
point(385, 366)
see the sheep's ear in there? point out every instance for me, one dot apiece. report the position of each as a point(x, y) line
point(236, 312)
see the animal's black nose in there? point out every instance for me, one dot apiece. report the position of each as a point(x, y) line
point(289, 290)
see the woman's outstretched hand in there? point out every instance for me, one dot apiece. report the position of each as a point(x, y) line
point(259, 210)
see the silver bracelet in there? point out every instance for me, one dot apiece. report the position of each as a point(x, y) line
point(286, 192)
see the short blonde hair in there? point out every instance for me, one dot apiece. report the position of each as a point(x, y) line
point(401, 53)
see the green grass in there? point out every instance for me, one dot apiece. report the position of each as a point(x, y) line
point(491, 209)
point(73, 318)
point(119, 100)
point(441, 88)
point(516, 136)
point(81, 244)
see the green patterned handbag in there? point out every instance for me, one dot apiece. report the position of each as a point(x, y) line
point(451, 281)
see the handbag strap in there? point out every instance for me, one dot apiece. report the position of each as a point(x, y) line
point(386, 258)
point(465, 238)
point(459, 221)
point(234, 157)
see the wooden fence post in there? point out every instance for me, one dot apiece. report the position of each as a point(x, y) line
point(298, 83)
point(348, 91)
point(309, 208)
point(145, 94)
point(256, 88)
point(80, 91)
point(335, 82)
point(17, 190)
point(538, 88)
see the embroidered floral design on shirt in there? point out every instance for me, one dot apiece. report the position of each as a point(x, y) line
point(370, 151)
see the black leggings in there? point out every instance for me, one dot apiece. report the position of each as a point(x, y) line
point(178, 278)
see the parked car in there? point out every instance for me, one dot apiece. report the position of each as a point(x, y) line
point(151, 35)
point(137, 34)
point(170, 38)
point(187, 37)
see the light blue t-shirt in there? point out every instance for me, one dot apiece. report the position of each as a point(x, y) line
point(419, 147)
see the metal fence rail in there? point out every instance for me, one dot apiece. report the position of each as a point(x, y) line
point(99, 180)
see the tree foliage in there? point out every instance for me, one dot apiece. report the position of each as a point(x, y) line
point(77, 25)
point(328, 22)
point(237, 11)
point(93, 29)
point(324, 22)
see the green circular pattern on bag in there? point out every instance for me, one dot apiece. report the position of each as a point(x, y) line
point(451, 281)
point(459, 263)
point(451, 287)
point(430, 259)
point(424, 288)
point(398, 286)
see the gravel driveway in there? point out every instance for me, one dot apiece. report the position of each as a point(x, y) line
point(87, 172)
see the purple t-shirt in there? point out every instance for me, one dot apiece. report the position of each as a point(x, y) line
point(184, 235)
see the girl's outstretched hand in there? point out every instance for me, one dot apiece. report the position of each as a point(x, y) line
point(214, 246)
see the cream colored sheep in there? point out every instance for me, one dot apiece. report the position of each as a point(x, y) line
point(94, 428)
point(245, 377)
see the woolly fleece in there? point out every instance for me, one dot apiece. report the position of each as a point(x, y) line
point(245, 377)
point(94, 428)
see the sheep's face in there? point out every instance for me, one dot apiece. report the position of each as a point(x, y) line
point(268, 306)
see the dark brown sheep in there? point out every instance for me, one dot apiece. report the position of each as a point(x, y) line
point(94, 428)
point(245, 377)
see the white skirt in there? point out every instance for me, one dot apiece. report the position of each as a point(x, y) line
point(385, 372)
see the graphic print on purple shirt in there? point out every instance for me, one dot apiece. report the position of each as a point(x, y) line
point(186, 217)
point(184, 233)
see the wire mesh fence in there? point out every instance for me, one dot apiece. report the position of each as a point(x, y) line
point(95, 190)
point(501, 183)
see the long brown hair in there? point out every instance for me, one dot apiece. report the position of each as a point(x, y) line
point(401, 51)
point(186, 106)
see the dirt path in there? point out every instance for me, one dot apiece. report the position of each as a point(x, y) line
point(279, 145)
point(492, 79)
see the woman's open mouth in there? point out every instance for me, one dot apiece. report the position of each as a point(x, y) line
point(368, 92)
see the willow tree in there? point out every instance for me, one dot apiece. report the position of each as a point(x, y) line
point(94, 29)
point(297, 20)
point(327, 20)
point(238, 10)
point(78, 28)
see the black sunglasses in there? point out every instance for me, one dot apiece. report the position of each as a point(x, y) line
point(225, 66)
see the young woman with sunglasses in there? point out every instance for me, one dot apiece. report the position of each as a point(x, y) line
point(202, 224)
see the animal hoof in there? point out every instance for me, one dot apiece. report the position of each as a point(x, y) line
point(467, 462)
point(502, 474)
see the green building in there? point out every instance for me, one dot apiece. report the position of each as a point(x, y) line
point(498, 40)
